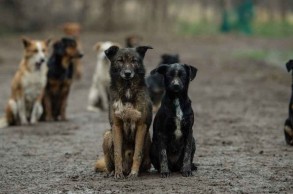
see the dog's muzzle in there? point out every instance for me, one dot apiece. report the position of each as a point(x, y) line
point(127, 74)
point(176, 86)
point(38, 64)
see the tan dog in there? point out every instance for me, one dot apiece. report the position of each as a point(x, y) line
point(25, 103)
point(99, 92)
point(72, 30)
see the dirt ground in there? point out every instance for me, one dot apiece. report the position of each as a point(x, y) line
point(240, 107)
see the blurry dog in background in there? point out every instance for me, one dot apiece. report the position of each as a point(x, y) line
point(25, 103)
point(126, 145)
point(133, 41)
point(155, 81)
point(72, 30)
point(99, 91)
point(60, 75)
point(288, 129)
point(173, 144)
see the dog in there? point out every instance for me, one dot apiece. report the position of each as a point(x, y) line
point(155, 81)
point(126, 146)
point(59, 79)
point(133, 41)
point(288, 129)
point(173, 145)
point(99, 92)
point(25, 103)
point(73, 30)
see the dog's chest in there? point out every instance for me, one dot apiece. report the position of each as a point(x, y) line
point(33, 84)
point(178, 119)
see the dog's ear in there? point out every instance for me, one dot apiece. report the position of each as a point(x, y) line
point(191, 71)
point(97, 46)
point(26, 41)
point(142, 50)
point(164, 57)
point(111, 52)
point(162, 69)
point(289, 65)
point(59, 48)
point(153, 71)
point(48, 41)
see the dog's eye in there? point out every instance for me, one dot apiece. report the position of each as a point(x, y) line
point(35, 50)
point(43, 50)
point(120, 60)
point(134, 61)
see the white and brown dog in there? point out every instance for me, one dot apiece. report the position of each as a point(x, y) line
point(25, 103)
point(99, 91)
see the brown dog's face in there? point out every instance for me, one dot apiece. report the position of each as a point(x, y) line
point(127, 62)
point(35, 51)
point(133, 41)
point(67, 47)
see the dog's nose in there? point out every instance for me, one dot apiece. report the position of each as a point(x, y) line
point(80, 55)
point(42, 60)
point(127, 73)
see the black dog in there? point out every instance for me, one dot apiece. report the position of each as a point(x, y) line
point(59, 79)
point(288, 129)
point(173, 145)
point(155, 81)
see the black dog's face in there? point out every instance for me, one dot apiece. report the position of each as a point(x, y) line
point(127, 62)
point(169, 59)
point(177, 76)
point(67, 47)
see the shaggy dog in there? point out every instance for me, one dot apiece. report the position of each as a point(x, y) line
point(99, 92)
point(59, 77)
point(173, 145)
point(288, 129)
point(155, 81)
point(126, 145)
point(24, 105)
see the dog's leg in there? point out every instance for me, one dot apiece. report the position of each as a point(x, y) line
point(187, 159)
point(64, 98)
point(12, 112)
point(163, 159)
point(108, 152)
point(146, 163)
point(22, 111)
point(288, 131)
point(138, 154)
point(117, 140)
point(48, 107)
point(92, 100)
point(37, 110)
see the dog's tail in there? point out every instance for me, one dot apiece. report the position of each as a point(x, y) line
point(100, 165)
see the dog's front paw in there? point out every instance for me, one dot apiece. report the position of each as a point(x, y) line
point(165, 174)
point(187, 173)
point(119, 175)
point(133, 175)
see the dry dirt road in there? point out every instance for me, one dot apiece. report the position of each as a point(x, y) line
point(240, 107)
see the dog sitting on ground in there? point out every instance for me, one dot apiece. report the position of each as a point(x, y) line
point(133, 41)
point(173, 144)
point(59, 77)
point(25, 103)
point(72, 30)
point(126, 145)
point(288, 129)
point(155, 81)
point(99, 91)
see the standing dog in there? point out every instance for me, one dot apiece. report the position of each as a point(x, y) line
point(155, 81)
point(72, 30)
point(288, 129)
point(173, 145)
point(133, 41)
point(99, 91)
point(126, 145)
point(59, 76)
point(24, 105)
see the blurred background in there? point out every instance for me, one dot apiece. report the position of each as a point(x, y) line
point(193, 17)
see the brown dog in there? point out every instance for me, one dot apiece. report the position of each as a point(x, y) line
point(59, 76)
point(126, 146)
point(133, 41)
point(24, 105)
point(72, 30)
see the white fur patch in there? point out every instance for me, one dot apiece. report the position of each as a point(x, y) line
point(128, 94)
point(178, 119)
